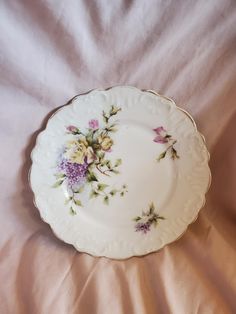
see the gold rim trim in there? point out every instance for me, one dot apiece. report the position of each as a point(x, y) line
point(105, 89)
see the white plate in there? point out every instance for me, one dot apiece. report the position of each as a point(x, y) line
point(120, 172)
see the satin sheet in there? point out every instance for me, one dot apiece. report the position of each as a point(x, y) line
point(53, 50)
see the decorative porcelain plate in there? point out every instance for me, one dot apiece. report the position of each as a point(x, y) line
point(120, 172)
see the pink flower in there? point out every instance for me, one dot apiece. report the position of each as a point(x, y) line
point(160, 139)
point(162, 136)
point(142, 227)
point(93, 124)
point(160, 130)
point(72, 128)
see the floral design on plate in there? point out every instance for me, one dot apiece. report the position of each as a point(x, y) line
point(148, 219)
point(162, 137)
point(84, 156)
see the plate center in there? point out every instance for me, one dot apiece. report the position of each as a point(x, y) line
point(147, 179)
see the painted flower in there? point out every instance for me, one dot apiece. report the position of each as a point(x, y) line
point(72, 129)
point(106, 142)
point(74, 172)
point(94, 124)
point(147, 219)
point(142, 227)
point(159, 130)
point(161, 135)
point(84, 157)
point(78, 150)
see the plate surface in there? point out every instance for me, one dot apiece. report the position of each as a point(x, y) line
point(119, 172)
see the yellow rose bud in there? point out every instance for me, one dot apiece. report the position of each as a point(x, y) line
point(106, 143)
point(83, 140)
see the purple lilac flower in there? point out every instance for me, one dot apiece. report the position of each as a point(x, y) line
point(142, 227)
point(93, 124)
point(72, 128)
point(75, 173)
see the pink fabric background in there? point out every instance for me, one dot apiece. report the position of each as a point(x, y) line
point(52, 50)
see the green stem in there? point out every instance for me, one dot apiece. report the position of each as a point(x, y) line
point(99, 192)
point(103, 172)
point(170, 146)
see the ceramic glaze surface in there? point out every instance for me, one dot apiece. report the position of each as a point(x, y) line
point(119, 172)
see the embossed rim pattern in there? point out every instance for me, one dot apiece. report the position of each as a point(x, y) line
point(131, 254)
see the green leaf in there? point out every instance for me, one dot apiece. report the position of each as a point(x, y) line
point(114, 110)
point(106, 200)
point(90, 133)
point(102, 163)
point(89, 139)
point(78, 202)
point(168, 136)
point(137, 218)
point(174, 154)
point(118, 162)
point(60, 175)
point(115, 171)
point(151, 208)
point(101, 186)
point(113, 192)
point(161, 156)
point(68, 200)
point(105, 118)
point(91, 176)
point(108, 164)
point(72, 211)
point(57, 184)
point(112, 129)
point(93, 194)
point(100, 154)
point(122, 193)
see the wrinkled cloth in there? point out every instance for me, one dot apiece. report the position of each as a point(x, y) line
point(53, 50)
